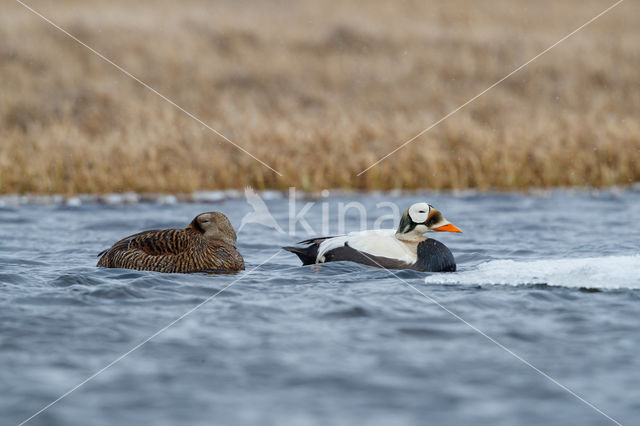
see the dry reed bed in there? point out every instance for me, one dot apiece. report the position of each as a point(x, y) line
point(318, 90)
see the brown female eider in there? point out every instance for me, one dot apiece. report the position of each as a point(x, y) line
point(207, 244)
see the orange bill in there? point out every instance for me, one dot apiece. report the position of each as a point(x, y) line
point(447, 228)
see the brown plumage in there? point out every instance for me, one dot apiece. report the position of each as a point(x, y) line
point(207, 244)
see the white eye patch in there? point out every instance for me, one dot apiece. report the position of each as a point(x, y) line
point(419, 212)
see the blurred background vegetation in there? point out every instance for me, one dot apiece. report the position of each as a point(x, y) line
point(319, 90)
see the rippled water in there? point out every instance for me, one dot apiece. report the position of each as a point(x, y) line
point(554, 278)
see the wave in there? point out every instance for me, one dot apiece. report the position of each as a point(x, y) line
point(611, 272)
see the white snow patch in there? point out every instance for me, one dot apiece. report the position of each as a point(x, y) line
point(609, 272)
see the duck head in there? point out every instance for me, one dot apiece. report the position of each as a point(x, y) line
point(216, 226)
point(421, 218)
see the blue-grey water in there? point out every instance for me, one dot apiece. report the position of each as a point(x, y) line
point(555, 278)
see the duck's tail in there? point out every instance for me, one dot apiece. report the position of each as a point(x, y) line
point(307, 255)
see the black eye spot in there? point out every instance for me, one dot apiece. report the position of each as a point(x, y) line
point(421, 211)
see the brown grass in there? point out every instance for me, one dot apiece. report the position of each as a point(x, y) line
point(318, 90)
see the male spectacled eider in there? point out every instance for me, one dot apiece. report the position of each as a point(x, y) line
point(404, 248)
point(207, 244)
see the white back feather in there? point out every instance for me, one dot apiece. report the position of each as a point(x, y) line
point(382, 242)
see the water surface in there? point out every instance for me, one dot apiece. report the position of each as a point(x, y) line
point(553, 277)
